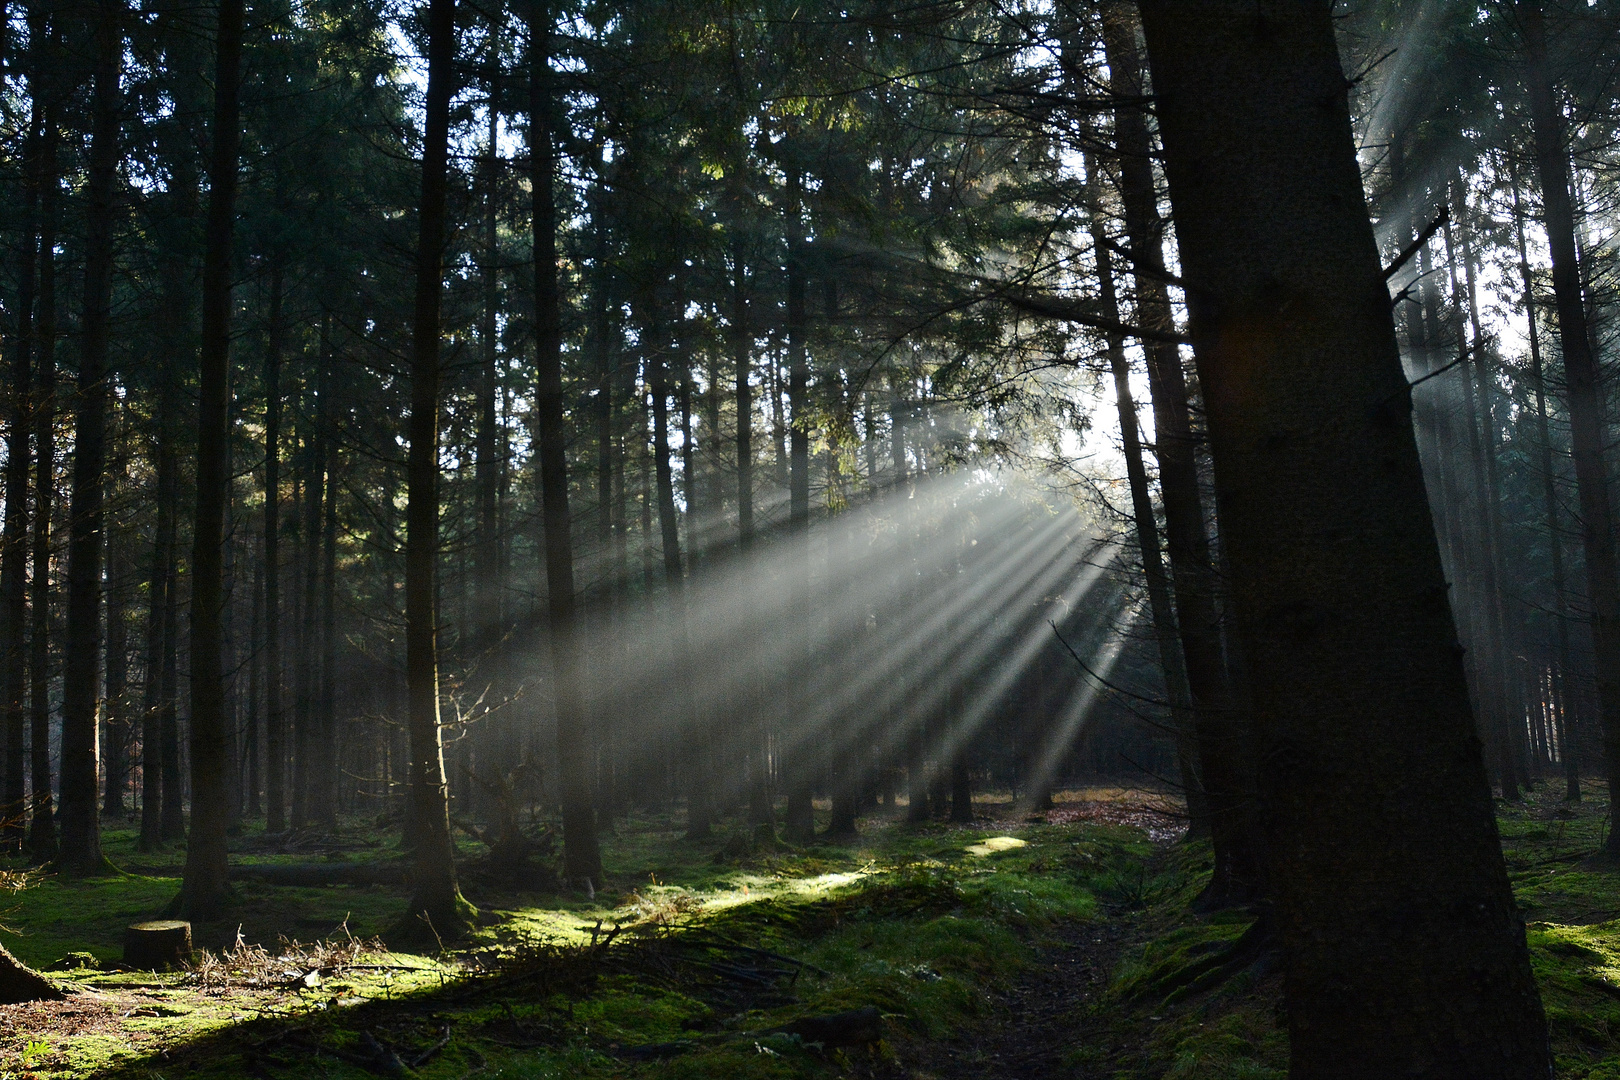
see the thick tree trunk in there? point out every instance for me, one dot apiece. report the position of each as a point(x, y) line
point(1225, 751)
point(436, 896)
point(204, 886)
point(1585, 398)
point(81, 823)
point(582, 857)
point(275, 728)
point(1404, 952)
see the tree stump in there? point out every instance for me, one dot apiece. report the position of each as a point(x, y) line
point(157, 946)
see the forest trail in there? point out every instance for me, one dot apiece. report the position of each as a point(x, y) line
point(1044, 1016)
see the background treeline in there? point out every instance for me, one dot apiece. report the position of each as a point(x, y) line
point(808, 264)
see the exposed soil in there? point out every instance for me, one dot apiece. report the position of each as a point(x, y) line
point(1044, 1018)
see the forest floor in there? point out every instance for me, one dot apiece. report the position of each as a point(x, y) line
point(1055, 945)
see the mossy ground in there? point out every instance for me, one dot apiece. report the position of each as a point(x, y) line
point(710, 955)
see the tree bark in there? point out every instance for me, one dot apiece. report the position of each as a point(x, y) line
point(799, 820)
point(171, 818)
point(1225, 751)
point(204, 886)
point(328, 746)
point(160, 590)
point(1567, 744)
point(81, 824)
point(42, 825)
point(436, 896)
point(1404, 952)
point(582, 857)
point(1160, 611)
point(14, 539)
point(1585, 398)
point(275, 738)
point(252, 764)
point(115, 717)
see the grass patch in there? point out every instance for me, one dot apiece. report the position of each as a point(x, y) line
point(679, 966)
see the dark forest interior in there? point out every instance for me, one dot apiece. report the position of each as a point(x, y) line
point(689, 539)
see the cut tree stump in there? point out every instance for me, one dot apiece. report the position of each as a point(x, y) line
point(858, 1027)
point(157, 946)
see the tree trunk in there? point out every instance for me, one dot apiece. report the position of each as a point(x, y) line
point(1404, 952)
point(695, 783)
point(115, 717)
point(81, 824)
point(1160, 611)
point(14, 539)
point(799, 820)
point(252, 748)
point(160, 589)
point(495, 741)
point(741, 338)
point(42, 825)
point(1585, 399)
point(582, 858)
point(329, 750)
point(1490, 674)
point(608, 511)
point(275, 739)
point(311, 766)
point(1567, 744)
point(204, 886)
point(436, 896)
point(1225, 753)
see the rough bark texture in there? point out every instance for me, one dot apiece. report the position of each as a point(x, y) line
point(1405, 954)
point(204, 885)
point(582, 857)
point(81, 821)
point(1585, 399)
point(436, 897)
point(1225, 750)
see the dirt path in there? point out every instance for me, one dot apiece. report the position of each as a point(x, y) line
point(1041, 1020)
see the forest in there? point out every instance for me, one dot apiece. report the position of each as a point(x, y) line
point(732, 538)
